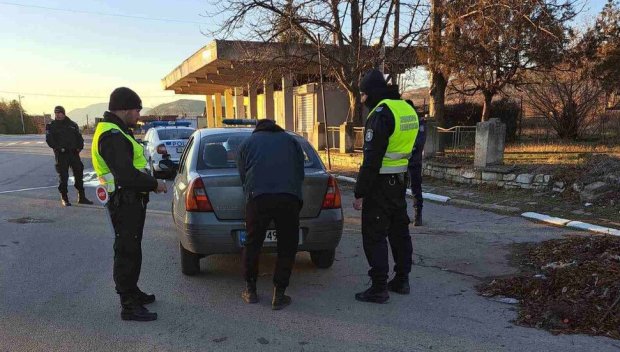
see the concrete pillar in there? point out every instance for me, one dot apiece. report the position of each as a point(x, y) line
point(230, 108)
point(318, 136)
point(431, 146)
point(239, 107)
point(269, 105)
point(287, 92)
point(490, 142)
point(253, 113)
point(346, 138)
point(210, 114)
point(218, 109)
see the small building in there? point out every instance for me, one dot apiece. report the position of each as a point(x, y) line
point(241, 79)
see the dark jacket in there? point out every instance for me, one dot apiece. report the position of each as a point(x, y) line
point(64, 134)
point(117, 152)
point(271, 161)
point(418, 147)
point(379, 128)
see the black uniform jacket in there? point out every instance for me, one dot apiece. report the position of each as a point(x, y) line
point(63, 134)
point(117, 152)
point(379, 128)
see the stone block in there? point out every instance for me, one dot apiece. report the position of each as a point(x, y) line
point(510, 177)
point(548, 178)
point(490, 141)
point(595, 191)
point(468, 174)
point(525, 178)
point(489, 176)
point(540, 178)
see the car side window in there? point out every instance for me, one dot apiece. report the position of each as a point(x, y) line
point(185, 154)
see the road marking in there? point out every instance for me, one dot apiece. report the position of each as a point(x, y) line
point(25, 143)
point(40, 142)
point(12, 143)
point(26, 189)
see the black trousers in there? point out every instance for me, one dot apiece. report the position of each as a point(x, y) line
point(283, 210)
point(384, 216)
point(64, 161)
point(128, 212)
point(415, 174)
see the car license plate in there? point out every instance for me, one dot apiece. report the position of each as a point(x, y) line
point(270, 237)
point(179, 150)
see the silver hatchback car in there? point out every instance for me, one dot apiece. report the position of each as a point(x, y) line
point(208, 204)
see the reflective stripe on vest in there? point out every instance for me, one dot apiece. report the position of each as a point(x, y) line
point(101, 168)
point(400, 144)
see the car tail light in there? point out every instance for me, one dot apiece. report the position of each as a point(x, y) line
point(196, 198)
point(332, 198)
point(161, 149)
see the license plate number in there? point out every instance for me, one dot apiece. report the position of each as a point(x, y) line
point(270, 237)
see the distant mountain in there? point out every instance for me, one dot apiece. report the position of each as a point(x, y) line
point(181, 107)
point(95, 110)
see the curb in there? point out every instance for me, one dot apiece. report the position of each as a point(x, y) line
point(577, 225)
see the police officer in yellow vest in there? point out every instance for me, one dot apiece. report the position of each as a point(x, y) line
point(120, 164)
point(380, 191)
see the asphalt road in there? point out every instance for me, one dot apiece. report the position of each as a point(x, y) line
point(57, 294)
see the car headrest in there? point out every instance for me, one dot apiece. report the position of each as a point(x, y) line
point(215, 155)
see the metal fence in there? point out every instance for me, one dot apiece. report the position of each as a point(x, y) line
point(458, 140)
point(333, 133)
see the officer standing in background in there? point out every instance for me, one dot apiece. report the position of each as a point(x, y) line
point(120, 164)
point(64, 137)
point(415, 171)
point(271, 167)
point(380, 191)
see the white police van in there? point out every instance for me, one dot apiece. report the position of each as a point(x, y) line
point(165, 140)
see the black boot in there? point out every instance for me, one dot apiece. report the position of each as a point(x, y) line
point(82, 198)
point(137, 312)
point(65, 200)
point(144, 298)
point(249, 294)
point(417, 219)
point(375, 294)
point(280, 300)
point(399, 284)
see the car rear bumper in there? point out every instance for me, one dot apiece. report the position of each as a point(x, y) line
point(214, 236)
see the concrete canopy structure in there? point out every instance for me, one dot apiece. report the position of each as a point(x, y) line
point(244, 79)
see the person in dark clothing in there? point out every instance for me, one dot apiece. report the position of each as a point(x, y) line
point(120, 164)
point(381, 187)
point(415, 171)
point(271, 166)
point(64, 137)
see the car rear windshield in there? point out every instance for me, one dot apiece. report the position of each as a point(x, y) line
point(174, 133)
point(219, 151)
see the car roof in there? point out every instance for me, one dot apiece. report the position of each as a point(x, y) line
point(223, 130)
point(170, 127)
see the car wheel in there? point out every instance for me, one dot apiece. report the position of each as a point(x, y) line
point(323, 259)
point(190, 262)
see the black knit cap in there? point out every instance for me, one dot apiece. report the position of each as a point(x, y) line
point(124, 99)
point(59, 109)
point(373, 80)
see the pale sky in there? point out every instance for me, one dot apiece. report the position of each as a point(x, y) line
point(77, 54)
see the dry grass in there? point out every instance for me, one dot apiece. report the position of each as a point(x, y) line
point(612, 148)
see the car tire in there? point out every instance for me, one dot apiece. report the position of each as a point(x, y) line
point(323, 259)
point(190, 262)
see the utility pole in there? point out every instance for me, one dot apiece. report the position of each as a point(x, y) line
point(86, 121)
point(329, 158)
point(21, 112)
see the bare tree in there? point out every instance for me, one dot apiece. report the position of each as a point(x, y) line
point(495, 42)
point(345, 28)
point(567, 96)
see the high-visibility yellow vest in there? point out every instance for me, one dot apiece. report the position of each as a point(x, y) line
point(400, 144)
point(101, 168)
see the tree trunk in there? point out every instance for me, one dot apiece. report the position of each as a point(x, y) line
point(437, 101)
point(486, 109)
